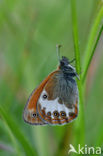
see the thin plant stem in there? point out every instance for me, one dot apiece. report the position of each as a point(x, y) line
point(80, 121)
point(91, 55)
point(16, 133)
point(88, 53)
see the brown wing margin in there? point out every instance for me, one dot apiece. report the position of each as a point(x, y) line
point(57, 120)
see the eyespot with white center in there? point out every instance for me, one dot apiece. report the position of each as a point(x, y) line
point(62, 114)
point(44, 97)
point(55, 114)
point(33, 115)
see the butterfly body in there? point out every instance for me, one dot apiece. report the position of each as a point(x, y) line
point(55, 101)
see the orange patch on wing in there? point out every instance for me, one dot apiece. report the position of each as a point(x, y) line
point(34, 98)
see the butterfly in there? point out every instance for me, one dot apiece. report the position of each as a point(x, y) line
point(55, 100)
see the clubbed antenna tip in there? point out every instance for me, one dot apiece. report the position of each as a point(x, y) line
point(58, 46)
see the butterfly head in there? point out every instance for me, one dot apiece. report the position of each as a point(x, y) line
point(64, 61)
point(67, 69)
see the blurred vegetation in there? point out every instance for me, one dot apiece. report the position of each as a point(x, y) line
point(29, 32)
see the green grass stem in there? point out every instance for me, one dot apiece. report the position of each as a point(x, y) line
point(80, 122)
point(16, 133)
point(88, 51)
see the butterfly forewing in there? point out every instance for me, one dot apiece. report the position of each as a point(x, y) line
point(30, 114)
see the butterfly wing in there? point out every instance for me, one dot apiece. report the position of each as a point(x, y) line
point(58, 102)
point(30, 114)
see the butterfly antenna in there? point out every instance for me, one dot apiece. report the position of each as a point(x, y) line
point(58, 46)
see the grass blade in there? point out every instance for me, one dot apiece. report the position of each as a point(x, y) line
point(16, 132)
point(88, 53)
point(80, 121)
point(91, 55)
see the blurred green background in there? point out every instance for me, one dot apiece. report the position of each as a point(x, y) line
point(29, 32)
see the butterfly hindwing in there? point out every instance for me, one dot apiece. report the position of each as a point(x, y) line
point(58, 102)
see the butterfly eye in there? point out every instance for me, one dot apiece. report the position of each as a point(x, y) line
point(62, 63)
point(44, 96)
point(70, 68)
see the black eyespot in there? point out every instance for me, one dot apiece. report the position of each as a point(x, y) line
point(34, 115)
point(55, 113)
point(49, 114)
point(62, 113)
point(44, 96)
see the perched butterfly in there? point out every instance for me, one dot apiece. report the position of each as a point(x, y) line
point(55, 100)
